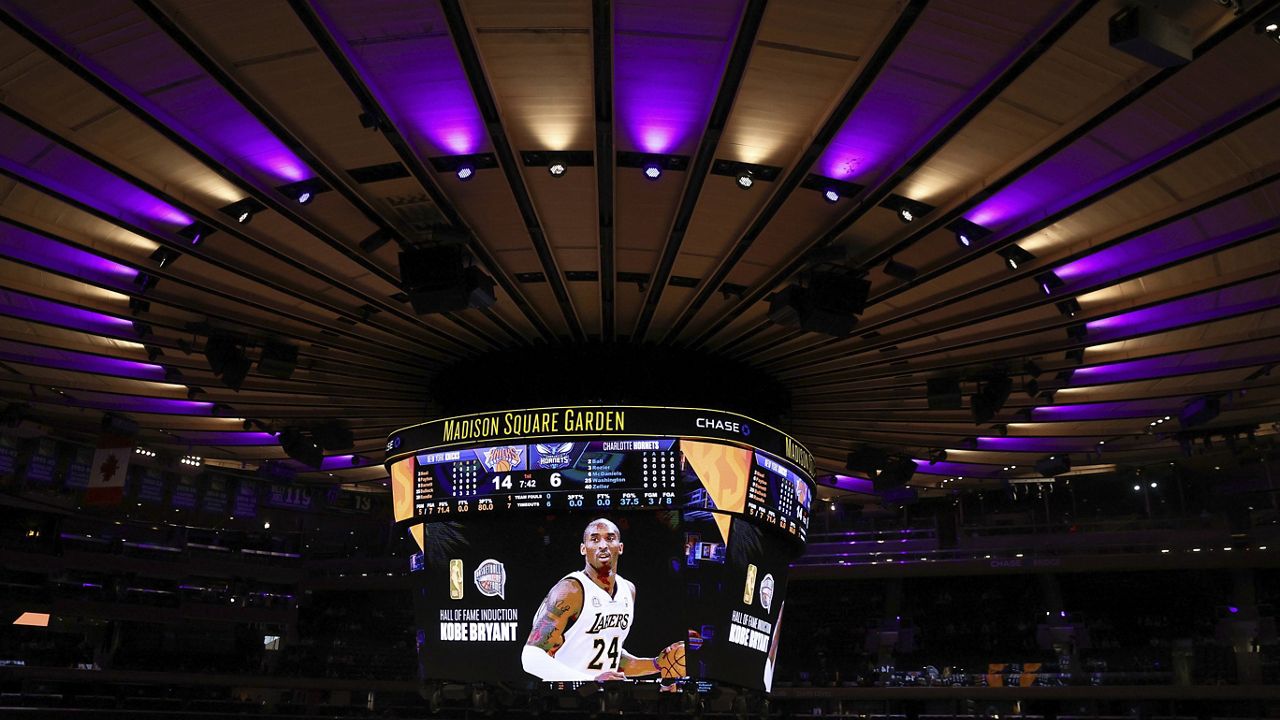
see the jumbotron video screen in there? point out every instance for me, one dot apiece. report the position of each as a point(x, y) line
point(600, 543)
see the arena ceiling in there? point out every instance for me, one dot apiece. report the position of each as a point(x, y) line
point(130, 129)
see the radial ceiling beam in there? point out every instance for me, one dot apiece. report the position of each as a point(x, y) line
point(327, 41)
point(298, 148)
point(602, 66)
point(871, 196)
point(748, 29)
point(267, 198)
point(986, 192)
point(510, 164)
point(906, 19)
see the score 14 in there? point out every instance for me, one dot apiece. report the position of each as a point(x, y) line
point(528, 482)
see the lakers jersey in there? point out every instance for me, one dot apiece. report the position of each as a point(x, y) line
point(593, 644)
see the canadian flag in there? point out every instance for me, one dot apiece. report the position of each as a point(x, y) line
point(110, 463)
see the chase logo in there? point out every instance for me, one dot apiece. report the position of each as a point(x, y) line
point(491, 579)
point(393, 443)
point(722, 425)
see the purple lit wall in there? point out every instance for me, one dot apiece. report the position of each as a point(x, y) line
point(1193, 363)
point(13, 351)
point(26, 153)
point(154, 72)
point(933, 75)
point(1150, 409)
point(665, 83)
point(130, 403)
point(1035, 444)
point(28, 247)
point(956, 469)
point(30, 307)
point(1245, 298)
point(1216, 227)
point(416, 76)
point(1131, 140)
point(230, 438)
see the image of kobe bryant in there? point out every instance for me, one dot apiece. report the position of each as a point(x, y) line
point(579, 630)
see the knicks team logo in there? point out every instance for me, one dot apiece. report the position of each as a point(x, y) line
point(503, 459)
point(491, 579)
point(766, 592)
point(554, 456)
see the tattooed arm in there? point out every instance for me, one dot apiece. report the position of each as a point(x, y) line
point(557, 612)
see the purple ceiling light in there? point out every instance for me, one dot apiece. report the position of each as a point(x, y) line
point(1193, 363)
point(1216, 227)
point(1107, 410)
point(25, 246)
point(36, 309)
point(1250, 297)
point(416, 77)
point(227, 438)
point(664, 83)
point(29, 154)
point(934, 74)
point(18, 352)
point(155, 73)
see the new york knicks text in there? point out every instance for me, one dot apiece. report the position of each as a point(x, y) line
point(479, 624)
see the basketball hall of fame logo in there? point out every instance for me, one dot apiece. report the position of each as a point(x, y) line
point(766, 592)
point(491, 579)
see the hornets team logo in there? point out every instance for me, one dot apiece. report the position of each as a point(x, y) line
point(491, 579)
point(766, 592)
point(554, 456)
point(503, 459)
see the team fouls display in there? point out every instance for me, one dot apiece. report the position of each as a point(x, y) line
point(655, 552)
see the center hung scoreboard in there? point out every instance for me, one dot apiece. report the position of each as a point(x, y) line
point(711, 507)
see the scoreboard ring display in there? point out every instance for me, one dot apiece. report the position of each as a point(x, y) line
point(579, 543)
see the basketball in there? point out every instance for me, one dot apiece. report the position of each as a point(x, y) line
point(671, 661)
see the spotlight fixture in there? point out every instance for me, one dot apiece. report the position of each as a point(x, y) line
point(196, 232)
point(906, 209)
point(1014, 256)
point(968, 233)
point(1069, 307)
point(144, 452)
point(1048, 282)
point(302, 192)
point(745, 180)
point(242, 211)
point(465, 172)
point(145, 281)
point(652, 171)
point(193, 460)
point(153, 352)
point(831, 195)
point(165, 256)
point(557, 167)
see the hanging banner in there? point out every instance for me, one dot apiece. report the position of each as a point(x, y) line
point(110, 463)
